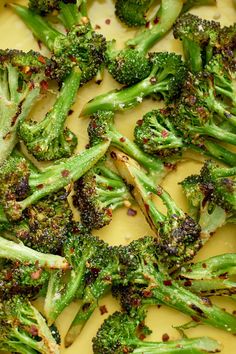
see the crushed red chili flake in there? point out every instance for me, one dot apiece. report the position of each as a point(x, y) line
point(167, 282)
point(165, 337)
point(41, 59)
point(164, 133)
point(33, 330)
point(122, 140)
point(70, 112)
point(146, 207)
point(139, 122)
point(107, 21)
point(131, 212)
point(103, 309)
point(36, 275)
point(204, 265)
point(39, 44)
point(147, 24)
point(44, 85)
point(142, 336)
point(65, 173)
point(97, 27)
point(156, 20)
point(40, 186)
point(234, 312)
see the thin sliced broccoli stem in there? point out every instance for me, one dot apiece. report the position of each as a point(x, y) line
point(39, 26)
point(190, 3)
point(73, 14)
point(167, 14)
point(19, 252)
point(19, 348)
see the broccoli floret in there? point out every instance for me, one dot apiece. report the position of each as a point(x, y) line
point(98, 194)
point(81, 47)
point(121, 333)
point(131, 12)
point(103, 269)
point(102, 127)
point(47, 139)
point(22, 326)
point(178, 235)
point(199, 38)
point(156, 135)
point(22, 76)
point(22, 186)
point(165, 80)
point(141, 267)
point(43, 6)
point(18, 278)
point(131, 65)
point(210, 277)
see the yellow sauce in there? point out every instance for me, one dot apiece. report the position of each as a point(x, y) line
point(123, 228)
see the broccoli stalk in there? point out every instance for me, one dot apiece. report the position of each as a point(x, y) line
point(131, 65)
point(48, 140)
point(188, 4)
point(142, 268)
point(178, 235)
point(212, 276)
point(21, 186)
point(102, 127)
point(166, 78)
point(18, 252)
point(121, 333)
point(23, 329)
point(21, 77)
point(80, 47)
point(98, 194)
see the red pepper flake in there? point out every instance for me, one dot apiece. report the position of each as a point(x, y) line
point(167, 282)
point(142, 336)
point(140, 122)
point(97, 27)
point(156, 20)
point(147, 24)
point(187, 282)
point(164, 133)
point(103, 309)
point(147, 207)
point(40, 186)
point(145, 140)
point(165, 337)
point(107, 21)
point(39, 44)
point(33, 330)
point(44, 85)
point(109, 212)
point(113, 155)
point(147, 293)
point(73, 59)
point(36, 275)
point(41, 59)
point(195, 319)
point(204, 265)
point(70, 112)
point(65, 173)
point(159, 191)
point(122, 140)
point(131, 212)
point(234, 312)
point(31, 85)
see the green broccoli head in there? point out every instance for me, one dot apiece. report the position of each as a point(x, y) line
point(131, 12)
point(100, 126)
point(199, 37)
point(22, 326)
point(127, 66)
point(22, 78)
point(82, 47)
point(43, 6)
point(156, 135)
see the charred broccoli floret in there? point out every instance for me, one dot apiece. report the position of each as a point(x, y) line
point(22, 77)
point(97, 194)
point(131, 65)
point(178, 235)
point(43, 6)
point(19, 278)
point(23, 329)
point(121, 333)
point(199, 38)
point(21, 186)
point(80, 47)
point(165, 80)
point(48, 139)
point(102, 127)
point(131, 12)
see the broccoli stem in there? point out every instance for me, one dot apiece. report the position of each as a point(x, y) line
point(19, 252)
point(62, 173)
point(73, 14)
point(210, 287)
point(19, 348)
point(214, 131)
point(39, 26)
point(167, 14)
point(191, 3)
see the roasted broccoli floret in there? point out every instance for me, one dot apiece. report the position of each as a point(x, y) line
point(103, 269)
point(178, 235)
point(102, 127)
point(210, 277)
point(23, 329)
point(22, 186)
point(199, 38)
point(141, 267)
point(81, 47)
point(14, 251)
point(19, 278)
point(22, 77)
point(97, 194)
point(48, 139)
point(131, 12)
point(130, 65)
point(43, 6)
point(165, 80)
point(121, 333)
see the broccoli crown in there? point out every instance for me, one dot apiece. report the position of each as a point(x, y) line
point(97, 195)
point(44, 6)
point(118, 334)
point(132, 12)
point(193, 192)
point(156, 135)
point(23, 325)
point(227, 39)
point(127, 66)
point(99, 126)
point(81, 46)
point(44, 225)
point(168, 74)
point(18, 278)
point(219, 185)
